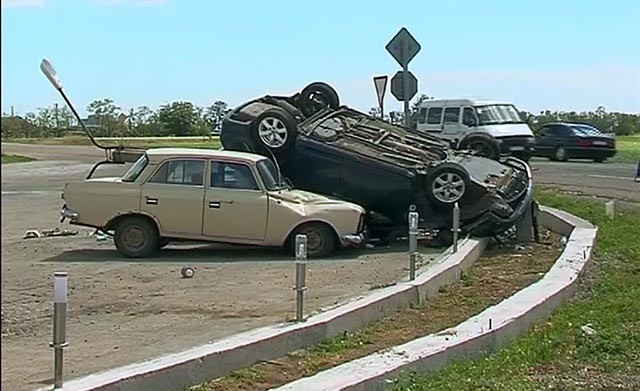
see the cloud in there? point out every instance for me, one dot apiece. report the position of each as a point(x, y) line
point(24, 3)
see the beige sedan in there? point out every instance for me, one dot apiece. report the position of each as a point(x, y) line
point(178, 194)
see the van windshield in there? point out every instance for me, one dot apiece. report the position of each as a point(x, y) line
point(498, 114)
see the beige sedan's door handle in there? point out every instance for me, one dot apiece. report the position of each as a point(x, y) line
point(151, 200)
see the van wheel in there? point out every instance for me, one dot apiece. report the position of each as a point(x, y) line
point(482, 144)
point(447, 184)
point(321, 240)
point(136, 237)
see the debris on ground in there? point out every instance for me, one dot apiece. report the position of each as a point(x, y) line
point(34, 233)
point(588, 330)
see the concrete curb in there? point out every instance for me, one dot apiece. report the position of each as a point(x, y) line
point(477, 335)
point(200, 364)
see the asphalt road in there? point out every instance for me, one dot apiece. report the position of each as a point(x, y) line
point(607, 180)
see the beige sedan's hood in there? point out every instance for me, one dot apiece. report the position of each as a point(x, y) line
point(313, 200)
point(303, 197)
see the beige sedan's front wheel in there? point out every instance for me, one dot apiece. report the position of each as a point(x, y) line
point(136, 237)
point(321, 240)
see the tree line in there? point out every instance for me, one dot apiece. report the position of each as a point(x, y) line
point(106, 119)
point(183, 118)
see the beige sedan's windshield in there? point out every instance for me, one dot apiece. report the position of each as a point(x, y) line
point(135, 169)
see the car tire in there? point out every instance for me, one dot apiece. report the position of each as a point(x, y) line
point(447, 184)
point(321, 240)
point(275, 130)
point(482, 144)
point(318, 96)
point(560, 154)
point(136, 237)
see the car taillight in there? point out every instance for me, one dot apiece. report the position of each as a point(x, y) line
point(584, 143)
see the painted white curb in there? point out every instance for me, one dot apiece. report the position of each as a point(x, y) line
point(477, 335)
point(178, 371)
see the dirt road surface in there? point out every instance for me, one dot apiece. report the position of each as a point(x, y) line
point(122, 312)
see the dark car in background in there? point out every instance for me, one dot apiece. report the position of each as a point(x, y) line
point(562, 141)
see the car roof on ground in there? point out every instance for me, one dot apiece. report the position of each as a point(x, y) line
point(203, 153)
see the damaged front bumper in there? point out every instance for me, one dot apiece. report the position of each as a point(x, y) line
point(509, 206)
point(354, 240)
point(66, 213)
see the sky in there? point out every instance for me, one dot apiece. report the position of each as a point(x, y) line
point(557, 55)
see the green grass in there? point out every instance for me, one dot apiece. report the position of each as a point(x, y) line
point(185, 142)
point(628, 146)
point(6, 159)
point(628, 149)
point(556, 354)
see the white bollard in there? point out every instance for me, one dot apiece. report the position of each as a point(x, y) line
point(301, 275)
point(609, 209)
point(413, 243)
point(456, 226)
point(60, 284)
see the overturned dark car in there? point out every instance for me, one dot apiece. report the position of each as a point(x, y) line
point(337, 151)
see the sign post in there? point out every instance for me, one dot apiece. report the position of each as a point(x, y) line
point(403, 48)
point(380, 82)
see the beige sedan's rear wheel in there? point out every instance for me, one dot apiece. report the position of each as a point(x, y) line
point(136, 237)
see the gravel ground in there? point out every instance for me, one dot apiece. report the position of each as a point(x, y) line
point(120, 311)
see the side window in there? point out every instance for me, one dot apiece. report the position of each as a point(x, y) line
point(422, 115)
point(232, 176)
point(544, 131)
point(550, 131)
point(180, 172)
point(468, 117)
point(565, 131)
point(451, 115)
point(434, 116)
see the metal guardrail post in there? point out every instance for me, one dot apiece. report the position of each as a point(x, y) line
point(456, 226)
point(301, 275)
point(60, 284)
point(413, 243)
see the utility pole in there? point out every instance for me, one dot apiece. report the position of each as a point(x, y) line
point(12, 111)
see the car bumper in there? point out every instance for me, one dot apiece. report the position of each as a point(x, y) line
point(235, 134)
point(507, 209)
point(353, 240)
point(592, 152)
point(516, 145)
point(67, 213)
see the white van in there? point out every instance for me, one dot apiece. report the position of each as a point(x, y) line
point(468, 123)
